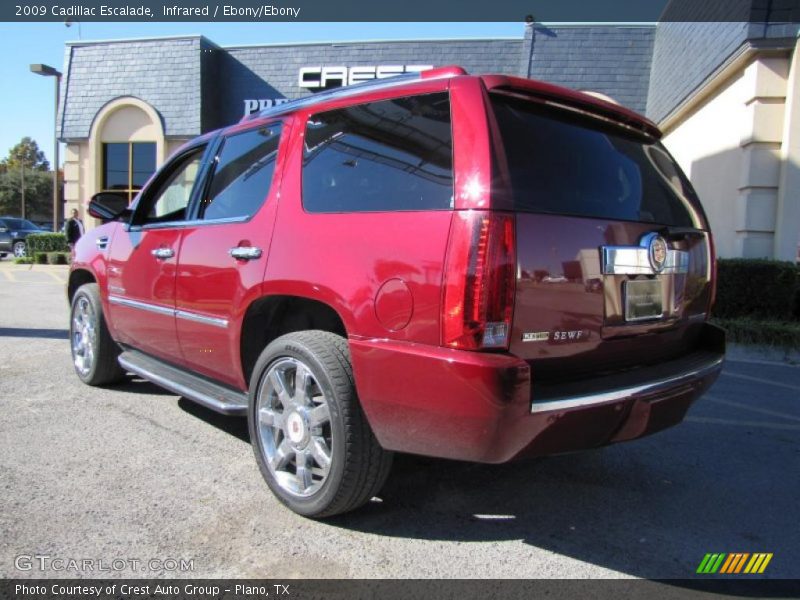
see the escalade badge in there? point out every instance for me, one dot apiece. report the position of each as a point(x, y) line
point(535, 336)
point(656, 251)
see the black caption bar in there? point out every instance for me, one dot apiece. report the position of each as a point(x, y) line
point(620, 11)
point(338, 589)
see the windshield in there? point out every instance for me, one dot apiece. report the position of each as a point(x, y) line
point(566, 163)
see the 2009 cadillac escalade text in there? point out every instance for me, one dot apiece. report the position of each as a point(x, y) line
point(470, 267)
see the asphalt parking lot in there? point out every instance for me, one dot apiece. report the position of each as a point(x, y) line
point(135, 472)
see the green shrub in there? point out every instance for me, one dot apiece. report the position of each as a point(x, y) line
point(46, 242)
point(40, 258)
point(783, 334)
point(57, 258)
point(761, 289)
point(23, 260)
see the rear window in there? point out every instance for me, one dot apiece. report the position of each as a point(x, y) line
point(564, 163)
point(390, 155)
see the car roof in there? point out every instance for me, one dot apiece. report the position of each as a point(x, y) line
point(541, 90)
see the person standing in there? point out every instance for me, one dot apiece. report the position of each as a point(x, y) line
point(74, 228)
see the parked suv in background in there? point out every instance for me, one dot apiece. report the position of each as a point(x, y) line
point(468, 267)
point(13, 233)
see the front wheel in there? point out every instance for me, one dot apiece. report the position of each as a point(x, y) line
point(311, 439)
point(94, 352)
point(19, 249)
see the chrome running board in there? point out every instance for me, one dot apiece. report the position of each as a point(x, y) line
point(192, 387)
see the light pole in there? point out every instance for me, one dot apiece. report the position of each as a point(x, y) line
point(48, 71)
point(22, 183)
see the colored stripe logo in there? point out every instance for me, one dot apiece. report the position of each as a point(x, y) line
point(734, 563)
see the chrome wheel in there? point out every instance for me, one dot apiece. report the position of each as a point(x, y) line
point(83, 335)
point(19, 249)
point(294, 427)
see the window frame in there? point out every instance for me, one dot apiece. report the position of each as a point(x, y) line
point(130, 192)
point(305, 117)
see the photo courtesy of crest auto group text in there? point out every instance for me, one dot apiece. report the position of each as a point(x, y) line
point(454, 301)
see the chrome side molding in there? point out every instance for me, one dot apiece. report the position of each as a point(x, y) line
point(172, 312)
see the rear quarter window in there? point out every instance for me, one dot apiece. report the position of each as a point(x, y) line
point(563, 163)
point(392, 155)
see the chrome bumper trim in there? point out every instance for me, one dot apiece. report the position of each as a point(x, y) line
point(611, 396)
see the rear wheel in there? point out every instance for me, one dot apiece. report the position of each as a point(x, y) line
point(94, 353)
point(311, 439)
point(19, 249)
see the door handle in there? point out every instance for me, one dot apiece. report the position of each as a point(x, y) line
point(102, 242)
point(163, 253)
point(245, 252)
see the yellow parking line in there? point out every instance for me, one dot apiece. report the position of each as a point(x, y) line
point(56, 277)
point(9, 275)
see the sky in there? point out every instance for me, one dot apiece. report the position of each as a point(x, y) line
point(26, 100)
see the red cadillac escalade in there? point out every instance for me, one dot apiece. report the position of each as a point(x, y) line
point(470, 267)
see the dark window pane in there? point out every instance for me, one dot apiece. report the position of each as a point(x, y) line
point(144, 162)
point(383, 156)
point(243, 174)
point(567, 164)
point(115, 166)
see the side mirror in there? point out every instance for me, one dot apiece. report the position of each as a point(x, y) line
point(3, 229)
point(109, 206)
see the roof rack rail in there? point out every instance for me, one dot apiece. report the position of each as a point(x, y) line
point(344, 91)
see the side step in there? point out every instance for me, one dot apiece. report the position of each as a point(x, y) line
point(193, 387)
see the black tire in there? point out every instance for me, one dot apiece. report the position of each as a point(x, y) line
point(103, 367)
point(358, 466)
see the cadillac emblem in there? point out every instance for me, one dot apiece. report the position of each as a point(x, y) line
point(657, 252)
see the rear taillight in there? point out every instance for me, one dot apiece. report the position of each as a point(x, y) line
point(479, 281)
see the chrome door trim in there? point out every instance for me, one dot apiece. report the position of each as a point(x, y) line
point(154, 308)
point(172, 312)
point(198, 318)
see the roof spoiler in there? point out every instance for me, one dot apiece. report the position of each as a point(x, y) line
point(589, 104)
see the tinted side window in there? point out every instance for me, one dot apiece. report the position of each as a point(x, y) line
point(243, 174)
point(382, 156)
point(167, 198)
point(567, 164)
point(172, 198)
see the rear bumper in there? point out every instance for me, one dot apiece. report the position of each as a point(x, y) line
point(485, 408)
